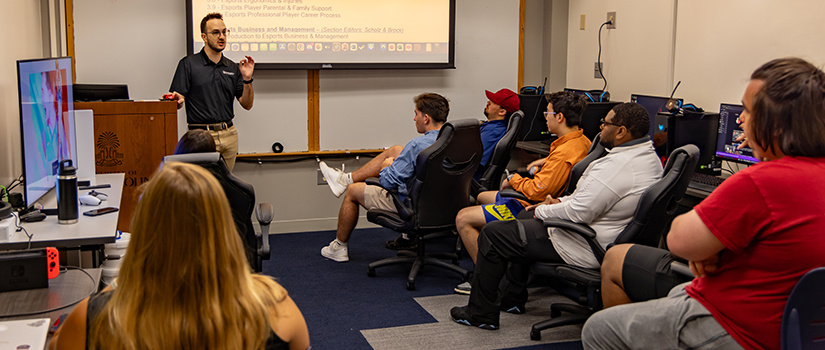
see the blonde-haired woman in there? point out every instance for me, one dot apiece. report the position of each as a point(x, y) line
point(184, 282)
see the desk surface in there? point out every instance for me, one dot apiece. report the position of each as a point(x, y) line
point(87, 231)
point(539, 147)
point(64, 292)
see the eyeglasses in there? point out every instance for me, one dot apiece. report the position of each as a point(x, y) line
point(217, 33)
point(549, 113)
point(606, 123)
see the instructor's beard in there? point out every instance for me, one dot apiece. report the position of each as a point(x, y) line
point(214, 46)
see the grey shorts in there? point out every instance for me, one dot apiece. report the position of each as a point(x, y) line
point(376, 197)
point(673, 322)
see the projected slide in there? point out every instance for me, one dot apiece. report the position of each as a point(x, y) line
point(331, 31)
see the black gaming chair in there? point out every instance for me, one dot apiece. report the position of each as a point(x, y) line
point(439, 189)
point(241, 198)
point(656, 209)
point(491, 178)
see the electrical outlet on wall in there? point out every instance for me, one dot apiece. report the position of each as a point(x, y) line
point(597, 67)
point(611, 17)
point(321, 179)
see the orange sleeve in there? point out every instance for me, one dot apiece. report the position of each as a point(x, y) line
point(550, 180)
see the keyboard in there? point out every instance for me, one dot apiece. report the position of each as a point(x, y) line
point(705, 182)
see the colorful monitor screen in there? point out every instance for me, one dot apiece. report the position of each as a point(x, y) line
point(46, 122)
point(730, 129)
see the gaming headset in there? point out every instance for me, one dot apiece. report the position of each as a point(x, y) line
point(601, 95)
point(676, 107)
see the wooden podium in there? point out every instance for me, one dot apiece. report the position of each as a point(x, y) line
point(132, 138)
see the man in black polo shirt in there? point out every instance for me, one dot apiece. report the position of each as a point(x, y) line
point(210, 81)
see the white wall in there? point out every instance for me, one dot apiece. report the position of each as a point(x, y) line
point(710, 46)
point(720, 43)
point(545, 43)
point(637, 55)
point(23, 40)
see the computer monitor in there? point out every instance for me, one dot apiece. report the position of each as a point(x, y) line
point(100, 92)
point(46, 122)
point(697, 128)
point(655, 106)
point(729, 130)
point(534, 125)
point(592, 116)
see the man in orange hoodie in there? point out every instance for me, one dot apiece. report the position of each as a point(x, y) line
point(563, 115)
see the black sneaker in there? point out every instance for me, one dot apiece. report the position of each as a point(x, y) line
point(516, 310)
point(401, 243)
point(461, 315)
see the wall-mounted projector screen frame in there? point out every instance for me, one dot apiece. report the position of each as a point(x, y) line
point(332, 34)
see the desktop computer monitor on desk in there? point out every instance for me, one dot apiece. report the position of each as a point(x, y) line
point(730, 129)
point(534, 126)
point(592, 117)
point(47, 131)
point(656, 107)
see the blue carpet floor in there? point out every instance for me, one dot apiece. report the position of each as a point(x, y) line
point(339, 300)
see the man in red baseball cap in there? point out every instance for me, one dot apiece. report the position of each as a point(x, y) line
point(500, 106)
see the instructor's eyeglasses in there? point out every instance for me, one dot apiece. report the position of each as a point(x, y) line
point(217, 33)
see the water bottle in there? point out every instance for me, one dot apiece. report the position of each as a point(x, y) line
point(67, 193)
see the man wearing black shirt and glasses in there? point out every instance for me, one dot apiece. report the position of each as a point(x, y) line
point(210, 81)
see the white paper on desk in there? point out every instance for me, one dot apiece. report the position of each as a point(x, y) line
point(14, 334)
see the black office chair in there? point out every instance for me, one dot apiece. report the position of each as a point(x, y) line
point(241, 198)
point(491, 178)
point(439, 189)
point(596, 151)
point(804, 316)
point(656, 209)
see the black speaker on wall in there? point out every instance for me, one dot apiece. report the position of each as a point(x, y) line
point(534, 126)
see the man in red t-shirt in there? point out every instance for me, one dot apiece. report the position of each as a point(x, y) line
point(752, 239)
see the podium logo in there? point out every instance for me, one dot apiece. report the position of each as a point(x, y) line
point(107, 154)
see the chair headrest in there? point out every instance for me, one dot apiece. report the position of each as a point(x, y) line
point(206, 157)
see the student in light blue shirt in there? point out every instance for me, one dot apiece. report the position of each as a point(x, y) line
point(394, 167)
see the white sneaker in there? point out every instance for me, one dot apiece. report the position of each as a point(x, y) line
point(336, 179)
point(463, 288)
point(335, 251)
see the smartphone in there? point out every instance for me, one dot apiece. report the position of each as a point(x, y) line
point(101, 211)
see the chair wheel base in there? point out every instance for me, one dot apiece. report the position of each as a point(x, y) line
point(535, 335)
point(370, 272)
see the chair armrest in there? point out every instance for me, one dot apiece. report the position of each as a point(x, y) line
point(373, 181)
point(680, 268)
point(582, 230)
point(511, 193)
point(264, 213)
point(477, 187)
point(404, 212)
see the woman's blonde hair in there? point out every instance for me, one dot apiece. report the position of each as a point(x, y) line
point(185, 282)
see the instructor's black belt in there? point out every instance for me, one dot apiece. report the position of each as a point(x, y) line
point(215, 127)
